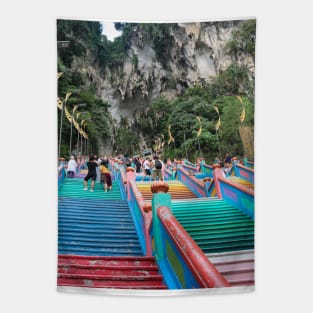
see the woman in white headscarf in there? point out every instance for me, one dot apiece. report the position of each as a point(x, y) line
point(71, 167)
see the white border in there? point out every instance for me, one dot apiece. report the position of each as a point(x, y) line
point(283, 145)
point(156, 293)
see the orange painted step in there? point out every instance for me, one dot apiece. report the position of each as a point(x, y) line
point(177, 190)
point(241, 181)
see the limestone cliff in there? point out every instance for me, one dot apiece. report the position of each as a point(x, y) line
point(196, 53)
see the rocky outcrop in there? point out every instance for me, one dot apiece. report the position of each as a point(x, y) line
point(197, 54)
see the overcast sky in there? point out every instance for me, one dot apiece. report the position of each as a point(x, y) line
point(109, 30)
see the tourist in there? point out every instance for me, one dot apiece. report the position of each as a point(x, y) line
point(157, 169)
point(71, 167)
point(105, 177)
point(92, 173)
point(137, 164)
point(227, 159)
point(146, 168)
point(227, 169)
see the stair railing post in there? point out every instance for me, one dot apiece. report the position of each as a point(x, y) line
point(160, 198)
point(130, 175)
point(217, 172)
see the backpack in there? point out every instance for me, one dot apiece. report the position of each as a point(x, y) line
point(158, 164)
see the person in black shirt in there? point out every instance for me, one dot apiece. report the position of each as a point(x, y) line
point(138, 165)
point(227, 158)
point(92, 173)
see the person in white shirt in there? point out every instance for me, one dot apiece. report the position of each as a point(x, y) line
point(71, 167)
point(146, 168)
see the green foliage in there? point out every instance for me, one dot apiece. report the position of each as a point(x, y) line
point(230, 82)
point(126, 138)
point(243, 40)
point(180, 112)
point(231, 109)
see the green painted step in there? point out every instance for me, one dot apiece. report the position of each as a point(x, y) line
point(73, 187)
point(215, 225)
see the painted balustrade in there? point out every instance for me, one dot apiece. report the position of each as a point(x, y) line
point(196, 186)
point(187, 163)
point(120, 174)
point(61, 175)
point(244, 172)
point(181, 261)
point(209, 187)
point(169, 173)
point(207, 169)
point(249, 164)
point(189, 168)
point(239, 196)
point(141, 213)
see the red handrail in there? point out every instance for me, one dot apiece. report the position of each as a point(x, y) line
point(203, 270)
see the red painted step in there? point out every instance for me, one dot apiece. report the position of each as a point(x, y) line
point(110, 284)
point(109, 272)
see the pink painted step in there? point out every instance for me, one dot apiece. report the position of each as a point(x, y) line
point(237, 267)
point(109, 272)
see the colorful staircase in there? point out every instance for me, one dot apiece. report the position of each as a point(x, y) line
point(176, 188)
point(224, 233)
point(96, 227)
point(73, 187)
point(98, 244)
point(215, 225)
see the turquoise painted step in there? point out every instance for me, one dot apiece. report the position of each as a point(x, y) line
point(73, 187)
point(215, 225)
point(95, 226)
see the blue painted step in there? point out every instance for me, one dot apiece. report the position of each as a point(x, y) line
point(102, 227)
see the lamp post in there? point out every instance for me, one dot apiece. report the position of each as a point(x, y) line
point(83, 124)
point(181, 124)
point(73, 112)
point(78, 133)
point(68, 94)
point(60, 45)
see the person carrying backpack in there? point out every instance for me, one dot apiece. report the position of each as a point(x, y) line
point(157, 169)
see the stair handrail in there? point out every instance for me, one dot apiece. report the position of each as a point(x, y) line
point(203, 270)
point(170, 173)
point(198, 271)
point(190, 168)
point(238, 195)
point(195, 185)
point(61, 174)
point(206, 168)
point(244, 172)
point(140, 207)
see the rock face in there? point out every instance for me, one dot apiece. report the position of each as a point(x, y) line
point(197, 54)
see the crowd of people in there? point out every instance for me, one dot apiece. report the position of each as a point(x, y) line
point(149, 167)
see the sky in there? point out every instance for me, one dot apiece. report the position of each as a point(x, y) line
point(109, 30)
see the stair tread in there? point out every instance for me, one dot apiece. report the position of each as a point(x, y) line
point(145, 284)
point(108, 274)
